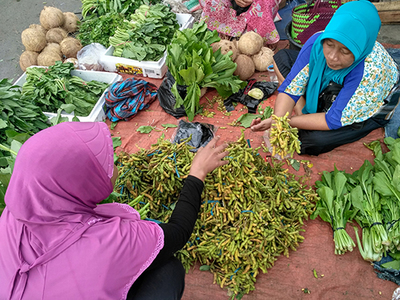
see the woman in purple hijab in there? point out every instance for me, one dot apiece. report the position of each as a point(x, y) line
point(58, 243)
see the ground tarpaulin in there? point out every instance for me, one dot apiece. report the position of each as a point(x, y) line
point(345, 276)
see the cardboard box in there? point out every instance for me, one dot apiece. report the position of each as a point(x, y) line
point(98, 112)
point(152, 69)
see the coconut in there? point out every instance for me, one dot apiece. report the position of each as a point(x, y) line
point(225, 47)
point(40, 27)
point(250, 43)
point(48, 58)
point(263, 59)
point(33, 39)
point(71, 22)
point(245, 67)
point(53, 47)
point(51, 17)
point(27, 59)
point(70, 47)
point(56, 35)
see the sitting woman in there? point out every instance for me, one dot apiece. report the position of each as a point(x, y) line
point(232, 18)
point(57, 242)
point(342, 84)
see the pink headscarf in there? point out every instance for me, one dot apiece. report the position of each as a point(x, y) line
point(56, 242)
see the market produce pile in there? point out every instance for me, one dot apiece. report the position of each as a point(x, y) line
point(252, 212)
point(369, 196)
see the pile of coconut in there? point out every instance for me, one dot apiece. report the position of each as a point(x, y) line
point(249, 54)
point(52, 40)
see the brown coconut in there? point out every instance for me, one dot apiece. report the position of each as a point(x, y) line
point(245, 67)
point(33, 39)
point(250, 43)
point(225, 47)
point(56, 35)
point(263, 59)
point(51, 17)
point(48, 58)
point(71, 22)
point(40, 27)
point(27, 59)
point(70, 47)
point(53, 47)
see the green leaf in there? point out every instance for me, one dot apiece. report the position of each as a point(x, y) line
point(169, 125)
point(204, 268)
point(395, 265)
point(145, 129)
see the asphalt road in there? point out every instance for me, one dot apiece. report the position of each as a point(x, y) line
point(17, 15)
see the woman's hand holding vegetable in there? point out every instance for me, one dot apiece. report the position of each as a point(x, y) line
point(208, 158)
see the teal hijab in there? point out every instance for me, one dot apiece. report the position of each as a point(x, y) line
point(356, 25)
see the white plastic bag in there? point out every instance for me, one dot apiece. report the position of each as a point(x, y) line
point(89, 57)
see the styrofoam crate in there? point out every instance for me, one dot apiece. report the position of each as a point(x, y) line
point(152, 69)
point(98, 112)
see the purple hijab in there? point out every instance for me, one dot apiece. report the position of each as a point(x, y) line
point(56, 242)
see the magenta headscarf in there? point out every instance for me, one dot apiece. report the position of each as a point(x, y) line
point(56, 242)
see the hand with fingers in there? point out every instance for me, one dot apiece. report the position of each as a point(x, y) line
point(208, 158)
point(258, 125)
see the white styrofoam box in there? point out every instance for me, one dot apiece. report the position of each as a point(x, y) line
point(98, 112)
point(152, 69)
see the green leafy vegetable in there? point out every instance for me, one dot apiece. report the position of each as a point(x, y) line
point(145, 129)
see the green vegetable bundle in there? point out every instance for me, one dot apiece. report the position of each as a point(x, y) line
point(19, 119)
point(252, 212)
point(145, 36)
point(192, 63)
point(102, 7)
point(99, 29)
point(50, 88)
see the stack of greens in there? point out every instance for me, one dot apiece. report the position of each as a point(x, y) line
point(53, 87)
point(192, 63)
point(374, 194)
point(19, 119)
point(145, 36)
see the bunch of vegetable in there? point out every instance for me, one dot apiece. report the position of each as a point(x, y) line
point(19, 119)
point(146, 34)
point(283, 137)
point(51, 87)
point(334, 207)
point(247, 219)
point(374, 193)
point(99, 29)
point(102, 7)
point(192, 63)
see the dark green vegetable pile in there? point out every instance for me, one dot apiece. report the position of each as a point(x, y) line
point(51, 87)
point(252, 212)
point(19, 119)
point(146, 34)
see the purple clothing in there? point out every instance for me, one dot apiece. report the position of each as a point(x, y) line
point(56, 242)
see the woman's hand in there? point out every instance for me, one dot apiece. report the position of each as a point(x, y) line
point(208, 158)
point(258, 125)
point(243, 3)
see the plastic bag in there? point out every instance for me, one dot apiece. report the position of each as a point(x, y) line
point(201, 134)
point(167, 98)
point(268, 88)
point(89, 57)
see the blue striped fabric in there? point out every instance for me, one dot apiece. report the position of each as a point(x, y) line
point(125, 98)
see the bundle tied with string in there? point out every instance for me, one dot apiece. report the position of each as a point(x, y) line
point(125, 98)
point(308, 19)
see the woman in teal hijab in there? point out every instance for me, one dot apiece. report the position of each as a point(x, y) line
point(342, 84)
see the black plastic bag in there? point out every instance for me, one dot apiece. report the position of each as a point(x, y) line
point(268, 88)
point(167, 98)
point(201, 133)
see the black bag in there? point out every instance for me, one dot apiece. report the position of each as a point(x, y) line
point(167, 98)
point(327, 96)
